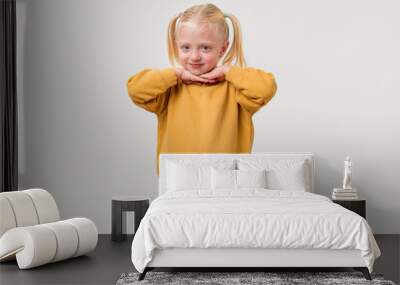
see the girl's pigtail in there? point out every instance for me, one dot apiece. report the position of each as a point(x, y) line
point(236, 50)
point(172, 50)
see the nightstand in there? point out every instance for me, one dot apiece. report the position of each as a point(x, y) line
point(122, 204)
point(357, 206)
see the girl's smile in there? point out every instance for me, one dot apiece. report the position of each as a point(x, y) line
point(196, 65)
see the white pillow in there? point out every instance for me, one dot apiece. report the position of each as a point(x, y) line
point(251, 178)
point(223, 179)
point(183, 174)
point(236, 179)
point(283, 174)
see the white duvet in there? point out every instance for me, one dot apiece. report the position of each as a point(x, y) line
point(250, 218)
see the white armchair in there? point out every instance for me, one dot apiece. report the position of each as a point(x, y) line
point(31, 230)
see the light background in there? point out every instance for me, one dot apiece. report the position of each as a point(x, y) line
point(81, 137)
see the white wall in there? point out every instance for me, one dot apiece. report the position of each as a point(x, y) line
point(81, 137)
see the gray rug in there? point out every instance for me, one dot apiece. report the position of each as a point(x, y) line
point(270, 278)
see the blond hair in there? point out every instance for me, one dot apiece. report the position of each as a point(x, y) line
point(208, 13)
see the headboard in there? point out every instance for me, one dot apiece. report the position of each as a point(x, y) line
point(164, 157)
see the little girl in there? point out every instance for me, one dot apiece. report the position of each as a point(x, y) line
point(203, 107)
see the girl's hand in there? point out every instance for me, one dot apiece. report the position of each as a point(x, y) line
point(188, 78)
point(217, 74)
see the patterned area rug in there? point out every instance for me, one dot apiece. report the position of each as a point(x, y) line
point(270, 278)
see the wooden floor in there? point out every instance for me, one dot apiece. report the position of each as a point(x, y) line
point(111, 259)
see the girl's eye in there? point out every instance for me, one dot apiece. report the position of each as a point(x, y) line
point(206, 48)
point(184, 47)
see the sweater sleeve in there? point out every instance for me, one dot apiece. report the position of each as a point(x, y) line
point(255, 86)
point(150, 88)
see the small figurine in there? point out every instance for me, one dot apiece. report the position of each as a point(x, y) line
point(347, 174)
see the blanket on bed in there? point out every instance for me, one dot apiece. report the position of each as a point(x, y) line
point(250, 218)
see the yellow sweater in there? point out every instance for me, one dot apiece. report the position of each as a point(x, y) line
point(203, 118)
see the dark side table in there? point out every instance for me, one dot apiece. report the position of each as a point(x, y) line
point(357, 206)
point(119, 206)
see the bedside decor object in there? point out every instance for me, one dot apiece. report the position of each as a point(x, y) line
point(344, 194)
point(122, 204)
point(32, 233)
point(347, 174)
point(347, 192)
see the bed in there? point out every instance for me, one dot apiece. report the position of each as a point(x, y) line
point(244, 211)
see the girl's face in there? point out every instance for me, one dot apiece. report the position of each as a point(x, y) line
point(200, 47)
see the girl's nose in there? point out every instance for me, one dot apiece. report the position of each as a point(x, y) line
point(195, 55)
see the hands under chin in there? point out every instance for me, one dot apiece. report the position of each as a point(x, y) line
point(214, 76)
point(217, 74)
